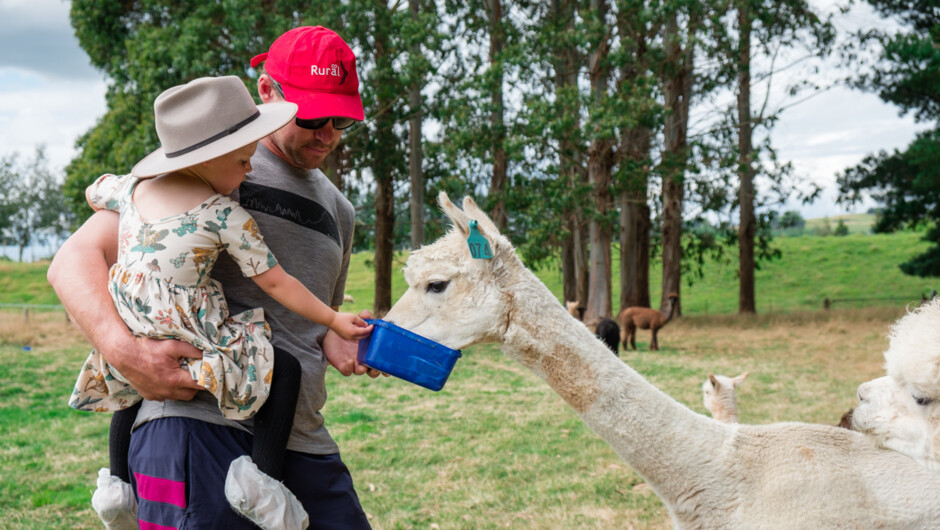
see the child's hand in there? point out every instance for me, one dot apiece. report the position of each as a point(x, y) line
point(350, 326)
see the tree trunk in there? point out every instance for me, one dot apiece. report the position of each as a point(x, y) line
point(600, 160)
point(598, 304)
point(384, 174)
point(569, 287)
point(635, 222)
point(498, 182)
point(416, 153)
point(573, 262)
point(747, 224)
point(336, 164)
point(677, 74)
point(635, 145)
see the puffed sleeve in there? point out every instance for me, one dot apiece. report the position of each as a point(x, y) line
point(107, 192)
point(242, 239)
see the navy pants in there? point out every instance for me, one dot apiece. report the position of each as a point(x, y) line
point(178, 468)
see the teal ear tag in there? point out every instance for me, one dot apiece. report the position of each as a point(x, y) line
point(479, 246)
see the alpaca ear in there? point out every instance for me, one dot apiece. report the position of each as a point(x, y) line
point(456, 215)
point(740, 379)
point(714, 382)
point(475, 212)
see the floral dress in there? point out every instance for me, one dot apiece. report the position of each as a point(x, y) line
point(161, 288)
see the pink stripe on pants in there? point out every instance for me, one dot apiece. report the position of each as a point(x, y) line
point(161, 490)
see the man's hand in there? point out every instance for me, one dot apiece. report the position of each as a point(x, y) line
point(341, 353)
point(153, 368)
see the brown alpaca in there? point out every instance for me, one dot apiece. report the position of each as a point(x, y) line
point(632, 318)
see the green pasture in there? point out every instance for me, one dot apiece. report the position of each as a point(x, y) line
point(496, 448)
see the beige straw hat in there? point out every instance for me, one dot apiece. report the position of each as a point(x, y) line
point(207, 118)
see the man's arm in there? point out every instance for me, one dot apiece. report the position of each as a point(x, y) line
point(79, 275)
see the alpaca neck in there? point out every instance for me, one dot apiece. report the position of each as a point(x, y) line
point(664, 441)
point(726, 416)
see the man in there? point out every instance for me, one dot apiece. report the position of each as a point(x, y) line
point(182, 446)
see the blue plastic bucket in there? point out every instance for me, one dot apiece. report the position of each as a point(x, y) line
point(406, 355)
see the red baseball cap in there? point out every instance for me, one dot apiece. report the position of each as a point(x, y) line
point(316, 70)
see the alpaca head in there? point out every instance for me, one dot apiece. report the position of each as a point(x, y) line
point(719, 397)
point(913, 354)
point(901, 411)
point(894, 419)
point(452, 297)
point(575, 309)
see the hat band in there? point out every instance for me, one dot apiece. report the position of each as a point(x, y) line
point(211, 139)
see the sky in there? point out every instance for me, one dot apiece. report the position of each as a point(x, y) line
point(50, 95)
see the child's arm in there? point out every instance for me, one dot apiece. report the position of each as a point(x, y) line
point(294, 296)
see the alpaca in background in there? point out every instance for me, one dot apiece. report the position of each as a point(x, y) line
point(718, 394)
point(575, 309)
point(609, 333)
point(635, 317)
point(607, 329)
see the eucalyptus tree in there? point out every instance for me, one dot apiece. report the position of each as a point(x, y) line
point(639, 27)
point(552, 129)
point(683, 21)
point(772, 26)
point(905, 72)
point(601, 135)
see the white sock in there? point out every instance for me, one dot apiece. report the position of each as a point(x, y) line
point(265, 501)
point(114, 502)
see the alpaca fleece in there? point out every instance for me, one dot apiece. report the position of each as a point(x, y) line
point(708, 474)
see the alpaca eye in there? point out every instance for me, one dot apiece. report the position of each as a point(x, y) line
point(437, 287)
point(923, 400)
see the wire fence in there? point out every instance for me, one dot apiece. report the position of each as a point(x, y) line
point(28, 309)
point(829, 302)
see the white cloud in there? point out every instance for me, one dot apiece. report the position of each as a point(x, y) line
point(49, 94)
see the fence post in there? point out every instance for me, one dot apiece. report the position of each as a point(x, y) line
point(826, 303)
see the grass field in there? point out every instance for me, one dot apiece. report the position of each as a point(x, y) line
point(496, 448)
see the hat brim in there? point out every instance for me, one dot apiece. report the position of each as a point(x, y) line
point(316, 105)
point(272, 117)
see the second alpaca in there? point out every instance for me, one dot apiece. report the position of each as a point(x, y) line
point(718, 395)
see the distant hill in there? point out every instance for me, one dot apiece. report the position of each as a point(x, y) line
point(857, 223)
point(859, 269)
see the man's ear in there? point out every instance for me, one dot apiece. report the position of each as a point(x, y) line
point(266, 90)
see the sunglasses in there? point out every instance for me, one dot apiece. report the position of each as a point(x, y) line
point(338, 123)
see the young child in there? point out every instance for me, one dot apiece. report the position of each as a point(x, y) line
point(175, 220)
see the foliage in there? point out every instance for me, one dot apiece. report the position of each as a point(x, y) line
point(841, 229)
point(905, 71)
point(33, 207)
point(144, 48)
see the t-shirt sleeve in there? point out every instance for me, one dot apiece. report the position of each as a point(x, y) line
point(242, 239)
point(107, 191)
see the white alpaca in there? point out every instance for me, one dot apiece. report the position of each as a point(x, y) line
point(709, 474)
point(901, 410)
point(718, 395)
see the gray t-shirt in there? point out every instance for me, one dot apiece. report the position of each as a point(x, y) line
point(308, 225)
